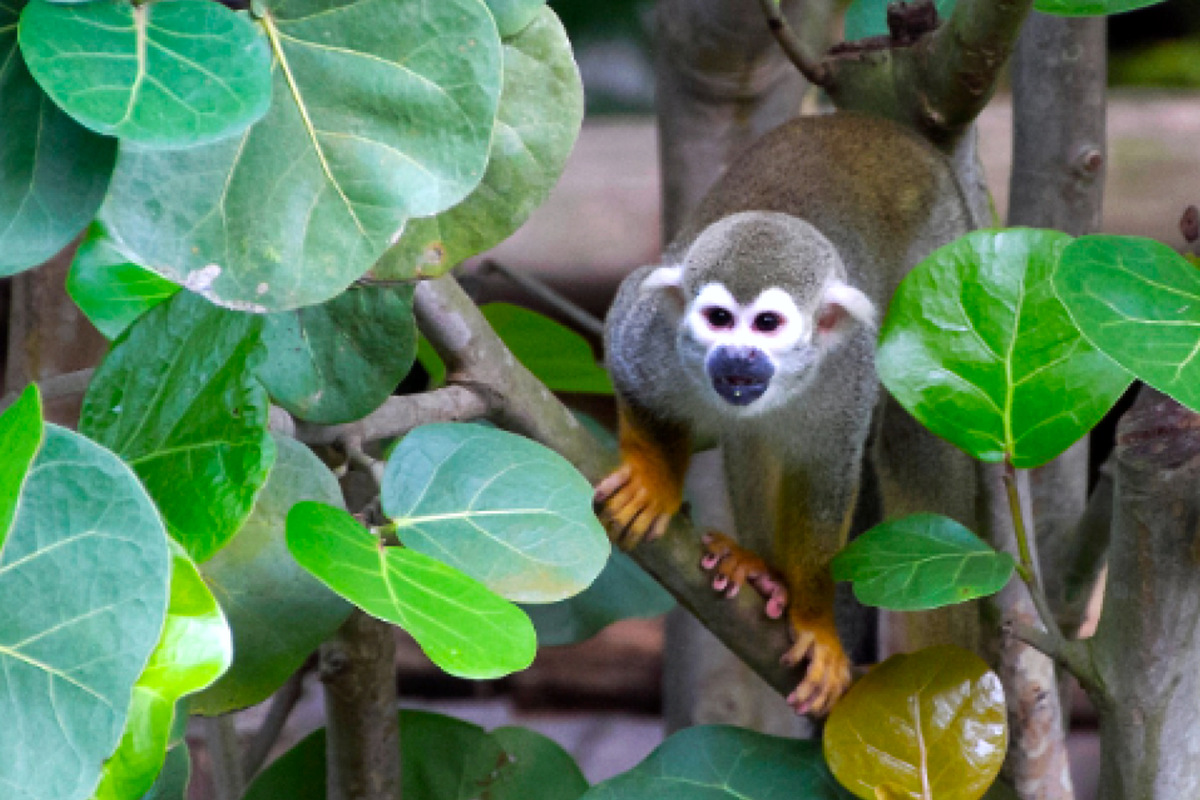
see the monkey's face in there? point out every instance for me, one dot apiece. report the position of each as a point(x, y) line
point(748, 356)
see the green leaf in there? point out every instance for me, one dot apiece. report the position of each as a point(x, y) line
point(108, 288)
point(921, 561)
point(20, 438)
point(541, 108)
point(512, 16)
point(173, 73)
point(444, 759)
point(172, 782)
point(866, 18)
point(176, 398)
point(193, 650)
point(623, 590)
point(338, 362)
point(1090, 8)
point(53, 172)
point(84, 575)
point(382, 110)
point(278, 612)
point(933, 718)
point(505, 510)
point(462, 626)
point(1139, 302)
point(556, 355)
point(718, 762)
point(978, 348)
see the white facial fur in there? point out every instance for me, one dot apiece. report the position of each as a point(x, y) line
point(795, 328)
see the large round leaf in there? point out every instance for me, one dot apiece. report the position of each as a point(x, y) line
point(279, 613)
point(919, 562)
point(717, 762)
point(503, 509)
point(193, 650)
point(382, 110)
point(978, 348)
point(513, 15)
point(53, 172)
point(462, 626)
point(929, 724)
point(176, 398)
point(108, 288)
point(173, 73)
point(339, 361)
point(84, 575)
point(1138, 301)
point(444, 759)
point(541, 108)
point(1090, 8)
point(20, 438)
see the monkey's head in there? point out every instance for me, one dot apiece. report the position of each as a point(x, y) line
point(762, 298)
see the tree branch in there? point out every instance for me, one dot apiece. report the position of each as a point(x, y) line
point(282, 704)
point(399, 415)
point(816, 71)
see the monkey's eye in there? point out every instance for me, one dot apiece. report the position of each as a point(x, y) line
point(718, 317)
point(767, 321)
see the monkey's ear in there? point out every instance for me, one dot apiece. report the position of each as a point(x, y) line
point(842, 307)
point(668, 280)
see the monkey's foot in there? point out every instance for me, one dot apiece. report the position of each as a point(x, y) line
point(637, 502)
point(734, 566)
point(828, 675)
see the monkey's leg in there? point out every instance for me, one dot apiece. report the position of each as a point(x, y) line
point(638, 500)
point(734, 566)
point(815, 638)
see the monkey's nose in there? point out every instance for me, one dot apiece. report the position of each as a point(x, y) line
point(740, 375)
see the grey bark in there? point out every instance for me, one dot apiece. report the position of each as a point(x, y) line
point(1146, 647)
point(357, 669)
point(1057, 182)
point(722, 83)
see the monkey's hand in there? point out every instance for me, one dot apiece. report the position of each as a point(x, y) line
point(815, 638)
point(637, 501)
point(734, 566)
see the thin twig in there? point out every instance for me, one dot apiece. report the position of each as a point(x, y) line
point(578, 316)
point(260, 744)
point(399, 415)
point(817, 72)
point(220, 736)
point(373, 467)
point(1027, 569)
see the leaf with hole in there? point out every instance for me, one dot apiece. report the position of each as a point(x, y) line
point(177, 399)
point(1139, 302)
point(505, 510)
point(84, 575)
point(927, 724)
point(978, 348)
point(53, 171)
point(462, 626)
point(111, 290)
point(718, 762)
point(278, 612)
point(193, 650)
point(339, 361)
point(173, 73)
point(541, 108)
point(919, 562)
point(382, 110)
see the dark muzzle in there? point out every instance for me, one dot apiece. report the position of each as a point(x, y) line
point(740, 375)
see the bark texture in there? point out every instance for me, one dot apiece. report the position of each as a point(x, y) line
point(1146, 649)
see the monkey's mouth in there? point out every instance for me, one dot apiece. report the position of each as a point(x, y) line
point(739, 390)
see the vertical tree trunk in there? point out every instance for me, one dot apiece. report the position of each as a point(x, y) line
point(1147, 646)
point(722, 82)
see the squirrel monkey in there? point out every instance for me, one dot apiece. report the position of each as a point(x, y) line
point(758, 334)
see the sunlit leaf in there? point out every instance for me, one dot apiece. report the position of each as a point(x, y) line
point(1138, 301)
point(1090, 8)
point(20, 437)
point(84, 575)
point(717, 762)
point(979, 349)
point(53, 171)
point(110, 290)
point(931, 724)
point(503, 509)
point(278, 612)
point(919, 562)
point(338, 362)
point(172, 73)
point(461, 625)
point(193, 650)
point(541, 108)
point(382, 110)
point(177, 399)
